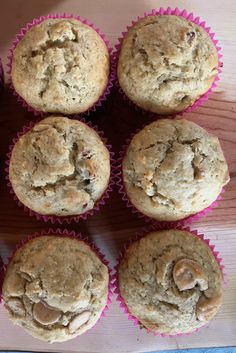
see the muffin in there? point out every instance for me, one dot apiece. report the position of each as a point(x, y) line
point(55, 288)
point(171, 282)
point(59, 167)
point(173, 169)
point(166, 63)
point(60, 66)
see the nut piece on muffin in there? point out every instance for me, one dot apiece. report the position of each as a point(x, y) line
point(166, 63)
point(60, 66)
point(55, 288)
point(173, 169)
point(60, 167)
point(171, 282)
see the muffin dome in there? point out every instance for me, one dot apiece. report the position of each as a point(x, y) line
point(173, 169)
point(60, 66)
point(59, 167)
point(170, 281)
point(55, 288)
point(166, 63)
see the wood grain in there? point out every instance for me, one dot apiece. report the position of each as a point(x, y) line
point(114, 224)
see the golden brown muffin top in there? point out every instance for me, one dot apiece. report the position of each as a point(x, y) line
point(170, 281)
point(60, 66)
point(173, 169)
point(166, 63)
point(55, 287)
point(59, 167)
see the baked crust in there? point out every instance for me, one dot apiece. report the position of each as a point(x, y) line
point(60, 66)
point(173, 169)
point(60, 167)
point(166, 63)
point(171, 282)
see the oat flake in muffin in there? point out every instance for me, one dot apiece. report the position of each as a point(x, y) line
point(170, 281)
point(59, 167)
point(173, 169)
point(60, 66)
point(166, 63)
point(55, 288)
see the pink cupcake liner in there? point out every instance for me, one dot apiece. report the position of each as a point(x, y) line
point(37, 21)
point(70, 234)
point(122, 191)
point(142, 234)
point(189, 17)
point(63, 219)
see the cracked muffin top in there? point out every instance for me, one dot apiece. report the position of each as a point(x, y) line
point(55, 288)
point(171, 282)
point(173, 169)
point(59, 167)
point(60, 66)
point(166, 63)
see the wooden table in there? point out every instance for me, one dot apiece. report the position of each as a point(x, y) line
point(111, 228)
